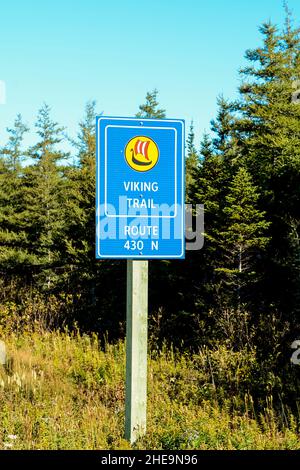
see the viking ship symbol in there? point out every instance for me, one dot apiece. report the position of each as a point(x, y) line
point(141, 148)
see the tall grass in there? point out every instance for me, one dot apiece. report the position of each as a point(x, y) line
point(63, 391)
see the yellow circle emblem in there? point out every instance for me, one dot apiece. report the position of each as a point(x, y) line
point(141, 153)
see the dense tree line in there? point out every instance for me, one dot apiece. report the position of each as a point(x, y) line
point(243, 288)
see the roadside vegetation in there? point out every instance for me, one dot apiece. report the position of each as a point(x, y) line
point(66, 391)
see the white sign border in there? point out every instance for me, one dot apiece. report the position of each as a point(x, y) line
point(182, 196)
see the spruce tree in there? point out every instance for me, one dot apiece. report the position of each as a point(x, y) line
point(268, 126)
point(209, 189)
point(80, 207)
point(243, 236)
point(150, 108)
point(191, 162)
point(13, 152)
point(45, 195)
point(13, 240)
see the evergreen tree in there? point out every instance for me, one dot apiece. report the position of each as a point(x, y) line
point(13, 152)
point(222, 125)
point(150, 108)
point(80, 207)
point(12, 235)
point(268, 125)
point(218, 157)
point(226, 141)
point(244, 234)
point(191, 162)
point(209, 185)
point(209, 188)
point(44, 195)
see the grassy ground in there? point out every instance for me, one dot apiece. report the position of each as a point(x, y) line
point(62, 391)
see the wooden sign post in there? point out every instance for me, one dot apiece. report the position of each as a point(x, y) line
point(136, 349)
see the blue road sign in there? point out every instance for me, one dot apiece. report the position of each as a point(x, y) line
point(140, 188)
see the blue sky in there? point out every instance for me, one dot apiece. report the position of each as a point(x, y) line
point(65, 53)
